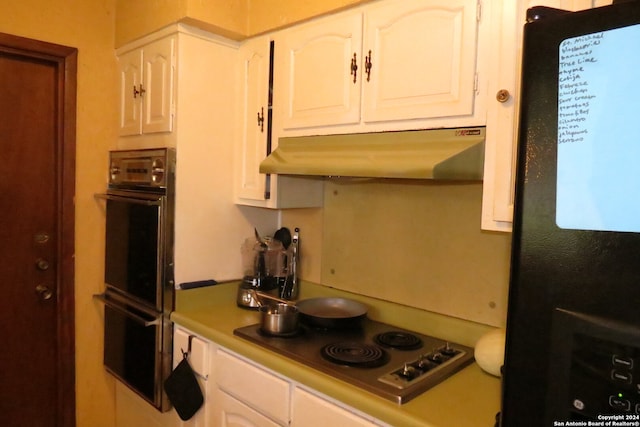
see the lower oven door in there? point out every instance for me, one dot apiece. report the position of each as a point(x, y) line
point(137, 348)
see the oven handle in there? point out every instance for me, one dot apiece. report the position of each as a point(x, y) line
point(122, 310)
point(154, 202)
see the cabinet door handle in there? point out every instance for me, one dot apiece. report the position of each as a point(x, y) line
point(354, 68)
point(367, 65)
point(261, 119)
point(137, 92)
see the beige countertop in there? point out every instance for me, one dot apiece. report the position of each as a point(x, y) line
point(469, 398)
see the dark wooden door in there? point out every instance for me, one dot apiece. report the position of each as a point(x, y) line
point(37, 163)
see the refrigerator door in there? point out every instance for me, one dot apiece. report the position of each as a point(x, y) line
point(574, 290)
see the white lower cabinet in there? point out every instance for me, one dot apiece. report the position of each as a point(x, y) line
point(253, 385)
point(310, 409)
point(231, 412)
point(242, 393)
point(197, 351)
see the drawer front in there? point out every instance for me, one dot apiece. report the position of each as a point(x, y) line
point(310, 409)
point(253, 386)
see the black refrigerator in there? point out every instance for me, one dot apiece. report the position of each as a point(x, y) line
point(573, 326)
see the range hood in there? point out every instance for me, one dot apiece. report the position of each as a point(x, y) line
point(442, 154)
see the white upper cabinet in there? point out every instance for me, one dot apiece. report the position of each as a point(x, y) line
point(256, 132)
point(254, 104)
point(391, 61)
point(422, 59)
point(507, 19)
point(320, 73)
point(130, 73)
point(146, 88)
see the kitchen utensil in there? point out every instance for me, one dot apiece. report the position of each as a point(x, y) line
point(283, 235)
point(290, 288)
point(260, 240)
point(279, 319)
point(264, 262)
point(246, 298)
point(326, 312)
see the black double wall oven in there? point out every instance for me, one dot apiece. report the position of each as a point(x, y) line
point(139, 285)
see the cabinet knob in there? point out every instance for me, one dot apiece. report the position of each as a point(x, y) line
point(261, 119)
point(354, 68)
point(503, 95)
point(367, 65)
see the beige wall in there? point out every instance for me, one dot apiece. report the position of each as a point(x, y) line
point(88, 26)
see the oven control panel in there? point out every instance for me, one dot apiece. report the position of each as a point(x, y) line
point(605, 377)
point(594, 366)
point(141, 168)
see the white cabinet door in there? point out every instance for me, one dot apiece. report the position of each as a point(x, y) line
point(130, 70)
point(197, 350)
point(508, 18)
point(253, 385)
point(158, 86)
point(253, 188)
point(254, 104)
point(230, 412)
point(319, 87)
point(146, 88)
point(410, 59)
point(423, 56)
point(312, 410)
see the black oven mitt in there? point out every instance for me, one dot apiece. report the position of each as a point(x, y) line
point(183, 390)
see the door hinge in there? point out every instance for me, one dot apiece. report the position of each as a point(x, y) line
point(479, 10)
point(475, 83)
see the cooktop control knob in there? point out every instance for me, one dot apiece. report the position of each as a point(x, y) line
point(409, 372)
point(425, 364)
point(436, 357)
point(447, 350)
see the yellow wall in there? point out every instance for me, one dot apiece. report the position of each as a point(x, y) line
point(94, 28)
point(236, 19)
point(269, 14)
point(88, 26)
point(141, 17)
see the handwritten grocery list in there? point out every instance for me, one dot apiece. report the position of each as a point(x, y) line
point(598, 182)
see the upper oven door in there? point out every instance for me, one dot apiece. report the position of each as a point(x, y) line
point(135, 246)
